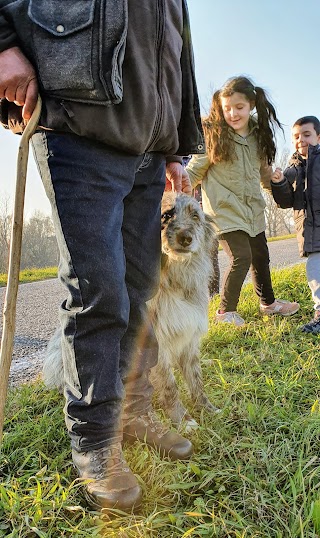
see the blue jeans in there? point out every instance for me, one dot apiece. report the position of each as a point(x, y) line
point(106, 211)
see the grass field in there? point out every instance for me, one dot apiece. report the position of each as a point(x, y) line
point(32, 275)
point(256, 467)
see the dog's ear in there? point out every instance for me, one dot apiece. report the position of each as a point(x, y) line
point(166, 216)
point(210, 234)
point(208, 218)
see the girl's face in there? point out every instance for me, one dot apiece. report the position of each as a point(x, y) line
point(236, 111)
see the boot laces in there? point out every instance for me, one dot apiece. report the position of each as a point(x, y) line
point(151, 421)
point(109, 461)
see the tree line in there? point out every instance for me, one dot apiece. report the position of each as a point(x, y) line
point(279, 221)
point(39, 245)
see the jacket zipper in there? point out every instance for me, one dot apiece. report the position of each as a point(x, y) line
point(159, 49)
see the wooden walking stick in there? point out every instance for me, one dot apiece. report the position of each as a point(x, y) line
point(10, 303)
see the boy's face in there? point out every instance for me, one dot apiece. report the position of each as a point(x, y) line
point(303, 136)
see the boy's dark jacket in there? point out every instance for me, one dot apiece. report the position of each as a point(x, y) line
point(132, 60)
point(300, 189)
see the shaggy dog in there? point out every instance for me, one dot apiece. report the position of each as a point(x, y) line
point(179, 310)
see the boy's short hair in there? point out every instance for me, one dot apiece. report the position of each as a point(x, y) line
point(309, 119)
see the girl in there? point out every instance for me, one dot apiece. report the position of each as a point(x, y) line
point(240, 150)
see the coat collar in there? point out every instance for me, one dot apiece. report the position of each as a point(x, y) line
point(297, 159)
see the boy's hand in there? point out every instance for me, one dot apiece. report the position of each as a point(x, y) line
point(277, 175)
point(18, 81)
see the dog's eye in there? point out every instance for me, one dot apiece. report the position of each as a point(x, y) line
point(195, 216)
point(167, 215)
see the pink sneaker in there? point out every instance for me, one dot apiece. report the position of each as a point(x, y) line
point(230, 317)
point(281, 307)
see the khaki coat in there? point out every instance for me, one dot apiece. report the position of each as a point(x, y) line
point(231, 191)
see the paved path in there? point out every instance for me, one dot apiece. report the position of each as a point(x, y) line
point(282, 254)
point(37, 312)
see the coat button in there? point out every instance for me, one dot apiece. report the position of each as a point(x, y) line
point(60, 28)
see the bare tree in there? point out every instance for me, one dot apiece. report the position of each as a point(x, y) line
point(39, 247)
point(279, 221)
point(5, 232)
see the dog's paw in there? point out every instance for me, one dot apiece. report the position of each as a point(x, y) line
point(207, 406)
point(212, 408)
point(189, 425)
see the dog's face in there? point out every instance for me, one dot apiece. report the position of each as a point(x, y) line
point(185, 227)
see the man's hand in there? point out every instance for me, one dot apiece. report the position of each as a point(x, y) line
point(277, 176)
point(178, 178)
point(18, 80)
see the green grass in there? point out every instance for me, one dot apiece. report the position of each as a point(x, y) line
point(255, 471)
point(32, 275)
point(276, 238)
point(280, 237)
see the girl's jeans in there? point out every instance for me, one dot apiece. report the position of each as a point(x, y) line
point(106, 211)
point(313, 276)
point(245, 251)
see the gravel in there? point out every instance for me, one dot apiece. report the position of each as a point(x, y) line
point(36, 320)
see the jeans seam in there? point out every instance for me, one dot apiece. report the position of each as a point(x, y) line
point(145, 161)
point(46, 177)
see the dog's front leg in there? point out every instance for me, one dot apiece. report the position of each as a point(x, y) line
point(189, 363)
point(162, 378)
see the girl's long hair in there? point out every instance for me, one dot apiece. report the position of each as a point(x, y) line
point(219, 145)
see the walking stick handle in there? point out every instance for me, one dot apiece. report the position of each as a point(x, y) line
point(10, 302)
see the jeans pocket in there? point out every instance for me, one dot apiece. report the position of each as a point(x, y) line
point(63, 43)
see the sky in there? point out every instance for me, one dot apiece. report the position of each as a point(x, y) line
point(274, 42)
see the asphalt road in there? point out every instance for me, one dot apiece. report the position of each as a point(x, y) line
point(37, 312)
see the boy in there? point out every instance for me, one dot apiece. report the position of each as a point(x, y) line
point(299, 187)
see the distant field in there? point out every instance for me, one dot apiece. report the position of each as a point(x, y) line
point(32, 275)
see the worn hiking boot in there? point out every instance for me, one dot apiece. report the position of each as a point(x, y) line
point(149, 429)
point(230, 317)
point(313, 326)
point(281, 307)
point(112, 484)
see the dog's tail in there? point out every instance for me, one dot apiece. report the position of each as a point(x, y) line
point(53, 373)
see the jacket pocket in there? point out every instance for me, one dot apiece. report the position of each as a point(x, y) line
point(63, 43)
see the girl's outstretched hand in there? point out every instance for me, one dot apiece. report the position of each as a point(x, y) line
point(277, 175)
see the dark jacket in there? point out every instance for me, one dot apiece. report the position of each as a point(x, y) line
point(132, 60)
point(300, 189)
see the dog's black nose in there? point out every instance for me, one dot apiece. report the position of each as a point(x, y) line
point(184, 239)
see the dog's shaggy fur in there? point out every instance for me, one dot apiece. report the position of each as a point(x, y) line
point(179, 310)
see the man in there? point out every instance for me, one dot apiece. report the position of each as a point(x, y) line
point(119, 101)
